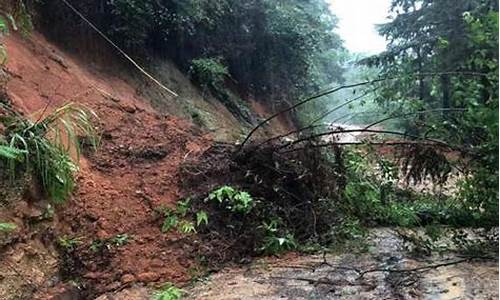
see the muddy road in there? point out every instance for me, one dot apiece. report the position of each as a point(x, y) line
point(356, 276)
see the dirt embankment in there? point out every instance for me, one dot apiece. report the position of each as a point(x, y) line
point(134, 171)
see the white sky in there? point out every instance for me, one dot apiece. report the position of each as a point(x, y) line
point(357, 20)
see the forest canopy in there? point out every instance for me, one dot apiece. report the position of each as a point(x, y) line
point(275, 50)
point(443, 56)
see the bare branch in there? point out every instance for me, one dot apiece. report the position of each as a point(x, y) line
point(342, 87)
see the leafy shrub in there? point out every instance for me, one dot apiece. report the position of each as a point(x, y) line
point(288, 200)
point(43, 146)
point(376, 200)
point(168, 292)
point(208, 71)
point(478, 198)
point(232, 199)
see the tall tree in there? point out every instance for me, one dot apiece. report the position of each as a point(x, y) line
point(457, 40)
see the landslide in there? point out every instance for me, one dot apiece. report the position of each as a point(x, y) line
point(135, 171)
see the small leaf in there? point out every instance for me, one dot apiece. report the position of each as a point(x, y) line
point(169, 223)
point(201, 217)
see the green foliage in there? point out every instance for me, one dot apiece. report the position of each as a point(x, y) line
point(118, 240)
point(45, 146)
point(171, 221)
point(201, 218)
point(168, 292)
point(275, 242)
point(462, 39)
point(3, 26)
point(7, 227)
point(182, 207)
point(186, 227)
point(232, 199)
point(132, 21)
point(23, 19)
point(178, 218)
point(210, 72)
point(436, 238)
point(349, 229)
point(11, 153)
point(373, 198)
point(4, 29)
point(274, 50)
point(69, 244)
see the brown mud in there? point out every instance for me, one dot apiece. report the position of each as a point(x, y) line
point(134, 171)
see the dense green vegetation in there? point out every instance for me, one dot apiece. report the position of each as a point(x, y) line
point(444, 55)
point(274, 51)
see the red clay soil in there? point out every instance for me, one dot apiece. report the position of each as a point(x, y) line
point(279, 125)
point(134, 171)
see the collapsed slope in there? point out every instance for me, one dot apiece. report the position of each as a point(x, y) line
point(134, 171)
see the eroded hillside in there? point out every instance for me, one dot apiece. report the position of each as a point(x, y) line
point(134, 172)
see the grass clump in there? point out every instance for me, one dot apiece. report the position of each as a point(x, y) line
point(43, 147)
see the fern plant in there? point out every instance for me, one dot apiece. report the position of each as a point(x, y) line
point(69, 244)
point(186, 227)
point(43, 146)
